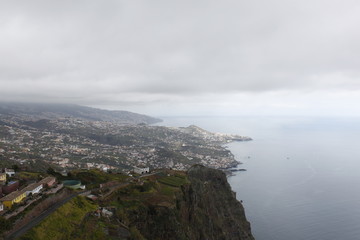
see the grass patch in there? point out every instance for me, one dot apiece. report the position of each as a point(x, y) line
point(127, 204)
point(91, 229)
point(92, 178)
point(167, 190)
point(29, 175)
point(173, 181)
point(63, 222)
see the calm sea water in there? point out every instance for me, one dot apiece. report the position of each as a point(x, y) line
point(303, 174)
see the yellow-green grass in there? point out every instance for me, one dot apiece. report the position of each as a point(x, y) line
point(63, 222)
point(29, 175)
point(174, 181)
point(168, 190)
point(91, 229)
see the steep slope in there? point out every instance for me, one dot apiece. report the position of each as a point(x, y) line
point(211, 205)
point(168, 205)
point(196, 206)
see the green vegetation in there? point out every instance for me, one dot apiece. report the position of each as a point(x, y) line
point(167, 191)
point(92, 228)
point(29, 175)
point(167, 205)
point(165, 153)
point(92, 178)
point(135, 233)
point(4, 225)
point(5, 162)
point(174, 181)
point(64, 222)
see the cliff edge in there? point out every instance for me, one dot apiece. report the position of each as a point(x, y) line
point(212, 207)
point(203, 208)
point(166, 205)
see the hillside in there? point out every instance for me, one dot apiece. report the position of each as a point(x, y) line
point(72, 143)
point(171, 205)
point(37, 111)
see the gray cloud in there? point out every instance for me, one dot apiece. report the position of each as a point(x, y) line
point(103, 52)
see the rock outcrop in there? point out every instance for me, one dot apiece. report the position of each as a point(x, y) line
point(211, 207)
point(205, 208)
point(168, 205)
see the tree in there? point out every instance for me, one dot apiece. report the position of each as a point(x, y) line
point(15, 167)
point(51, 171)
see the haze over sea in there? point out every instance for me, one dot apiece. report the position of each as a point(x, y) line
point(303, 174)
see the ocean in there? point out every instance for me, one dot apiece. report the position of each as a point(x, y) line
point(303, 174)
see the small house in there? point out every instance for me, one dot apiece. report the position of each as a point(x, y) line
point(48, 181)
point(92, 197)
point(12, 198)
point(10, 187)
point(33, 188)
point(106, 213)
point(141, 170)
point(10, 172)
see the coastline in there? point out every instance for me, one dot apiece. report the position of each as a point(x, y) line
point(233, 169)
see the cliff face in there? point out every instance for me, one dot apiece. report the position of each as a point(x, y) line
point(168, 205)
point(211, 208)
point(205, 208)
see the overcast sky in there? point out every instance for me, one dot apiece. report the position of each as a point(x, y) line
point(184, 57)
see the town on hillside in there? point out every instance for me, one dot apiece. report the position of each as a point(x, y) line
point(70, 143)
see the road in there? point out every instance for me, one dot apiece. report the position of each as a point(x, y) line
point(38, 219)
point(18, 233)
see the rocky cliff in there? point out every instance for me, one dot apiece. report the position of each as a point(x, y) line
point(203, 208)
point(211, 207)
point(168, 205)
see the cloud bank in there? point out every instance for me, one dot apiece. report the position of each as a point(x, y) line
point(192, 55)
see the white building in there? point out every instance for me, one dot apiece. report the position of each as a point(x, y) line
point(10, 172)
point(1, 207)
point(141, 170)
point(33, 188)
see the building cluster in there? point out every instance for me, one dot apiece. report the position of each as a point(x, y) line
point(10, 192)
point(67, 145)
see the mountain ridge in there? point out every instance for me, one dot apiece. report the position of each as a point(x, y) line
point(37, 111)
